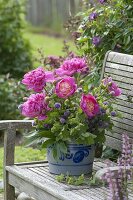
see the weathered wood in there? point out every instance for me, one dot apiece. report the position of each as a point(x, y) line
point(120, 67)
point(41, 185)
point(38, 187)
point(121, 58)
point(121, 79)
point(18, 124)
point(9, 145)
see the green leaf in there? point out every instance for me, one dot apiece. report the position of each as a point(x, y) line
point(46, 134)
point(63, 147)
point(48, 143)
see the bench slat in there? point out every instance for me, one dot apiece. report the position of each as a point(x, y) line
point(121, 79)
point(120, 58)
point(119, 67)
point(118, 72)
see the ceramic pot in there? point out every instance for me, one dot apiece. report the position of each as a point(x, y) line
point(78, 160)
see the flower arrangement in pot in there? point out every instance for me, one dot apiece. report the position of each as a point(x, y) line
point(70, 117)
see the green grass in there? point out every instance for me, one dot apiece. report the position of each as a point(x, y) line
point(50, 45)
point(23, 154)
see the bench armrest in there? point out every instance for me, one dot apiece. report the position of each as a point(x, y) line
point(9, 137)
point(18, 124)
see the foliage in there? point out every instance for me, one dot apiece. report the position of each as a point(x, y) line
point(104, 27)
point(59, 116)
point(11, 94)
point(15, 56)
point(80, 180)
point(111, 154)
point(23, 155)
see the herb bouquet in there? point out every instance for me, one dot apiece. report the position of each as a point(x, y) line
point(70, 116)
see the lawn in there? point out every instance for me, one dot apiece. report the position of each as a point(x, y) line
point(50, 45)
point(23, 154)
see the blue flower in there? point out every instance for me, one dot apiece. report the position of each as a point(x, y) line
point(102, 1)
point(67, 113)
point(113, 113)
point(47, 126)
point(103, 111)
point(93, 16)
point(100, 123)
point(62, 120)
point(57, 105)
point(96, 40)
point(105, 103)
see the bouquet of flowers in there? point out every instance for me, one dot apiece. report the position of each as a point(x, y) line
point(66, 108)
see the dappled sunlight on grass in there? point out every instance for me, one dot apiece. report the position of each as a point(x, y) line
point(50, 45)
point(23, 154)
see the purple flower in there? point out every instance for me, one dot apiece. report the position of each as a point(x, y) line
point(103, 111)
point(57, 105)
point(118, 181)
point(100, 123)
point(113, 113)
point(47, 126)
point(96, 40)
point(105, 103)
point(62, 120)
point(66, 113)
point(93, 16)
point(102, 1)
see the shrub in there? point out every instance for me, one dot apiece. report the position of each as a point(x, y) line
point(107, 26)
point(14, 49)
point(11, 94)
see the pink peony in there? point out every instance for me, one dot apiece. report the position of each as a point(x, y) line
point(89, 105)
point(72, 66)
point(36, 79)
point(66, 87)
point(35, 106)
point(112, 86)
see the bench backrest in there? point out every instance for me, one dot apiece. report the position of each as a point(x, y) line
point(120, 67)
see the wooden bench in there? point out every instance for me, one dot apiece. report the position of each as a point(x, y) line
point(34, 178)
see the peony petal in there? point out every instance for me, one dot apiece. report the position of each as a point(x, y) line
point(49, 76)
point(42, 117)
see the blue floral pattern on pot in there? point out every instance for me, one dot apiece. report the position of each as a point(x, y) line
point(77, 161)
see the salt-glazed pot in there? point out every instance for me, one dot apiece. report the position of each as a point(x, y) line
point(78, 160)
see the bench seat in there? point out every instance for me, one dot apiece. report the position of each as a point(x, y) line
point(35, 179)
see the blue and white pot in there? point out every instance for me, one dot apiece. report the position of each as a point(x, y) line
point(78, 160)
